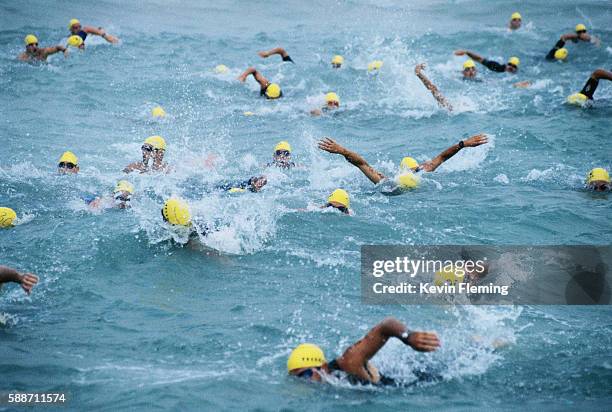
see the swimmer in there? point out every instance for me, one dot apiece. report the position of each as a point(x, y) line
point(33, 52)
point(282, 156)
point(418, 70)
point(591, 85)
point(7, 217)
point(579, 35)
point(153, 148)
point(308, 361)
point(68, 164)
point(515, 21)
point(408, 179)
point(598, 180)
point(176, 214)
point(510, 67)
point(337, 61)
point(270, 90)
point(120, 198)
point(76, 29)
point(278, 50)
point(26, 280)
point(254, 184)
point(332, 102)
point(469, 70)
point(339, 199)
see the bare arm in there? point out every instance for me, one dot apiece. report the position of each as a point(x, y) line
point(473, 141)
point(472, 55)
point(26, 280)
point(355, 358)
point(418, 70)
point(277, 50)
point(355, 159)
point(52, 50)
point(100, 32)
point(601, 74)
point(263, 82)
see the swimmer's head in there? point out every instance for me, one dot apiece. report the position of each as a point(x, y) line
point(176, 212)
point(598, 180)
point(561, 54)
point(158, 112)
point(408, 181)
point(282, 153)
point(273, 91)
point(123, 194)
point(339, 199)
point(332, 100)
point(515, 20)
point(74, 25)
point(375, 65)
point(577, 99)
point(337, 61)
point(7, 217)
point(409, 163)
point(581, 28)
point(31, 42)
point(469, 69)
point(513, 64)
point(68, 163)
point(221, 69)
point(449, 275)
point(305, 360)
point(256, 183)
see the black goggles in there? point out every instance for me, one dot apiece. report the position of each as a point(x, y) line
point(581, 31)
point(307, 373)
point(600, 187)
point(512, 65)
point(147, 148)
point(66, 165)
point(123, 198)
point(282, 153)
point(343, 209)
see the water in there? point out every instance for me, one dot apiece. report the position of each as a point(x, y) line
point(122, 318)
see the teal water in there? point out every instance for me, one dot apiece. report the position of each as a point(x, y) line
point(123, 318)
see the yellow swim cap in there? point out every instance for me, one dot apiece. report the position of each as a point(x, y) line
point(514, 60)
point(75, 41)
point(408, 181)
point(248, 113)
point(69, 157)
point(273, 91)
point(448, 274)
point(340, 196)
point(581, 27)
point(577, 99)
point(73, 22)
point(469, 64)
point(221, 68)
point(158, 111)
point(332, 97)
point(124, 186)
point(516, 15)
point(176, 212)
point(236, 190)
point(337, 59)
point(282, 146)
point(30, 39)
point(7, 216)
point(409, 163)
point(375, 65)
point(305, 355)
point(598, 174)
point(157, 142)
point(561, 54)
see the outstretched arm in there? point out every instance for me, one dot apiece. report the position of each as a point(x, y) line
point(277, 50)
point(100, 32)
point(263, 82)
point(593, 81)
point(473, 141)
point(26, 280)
point(355, 358)
point(355, 159)
point(418, 70)
point(55, 49)
point(472, 55)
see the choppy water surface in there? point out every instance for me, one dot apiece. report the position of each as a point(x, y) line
point(123, 318)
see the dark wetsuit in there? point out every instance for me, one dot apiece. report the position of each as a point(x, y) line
point(589, 88)
point(551, 53)
point(82, 34)
point(494, 66)
point(288, 59)
point(244, 185)
point(422, 376)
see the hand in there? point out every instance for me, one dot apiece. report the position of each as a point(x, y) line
point(418, 68)
point(28, 280)
point(330, 146)
point(242, 77)
point(460, 52)
point(476, 140)
point(423, 341)
point(524, 84)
